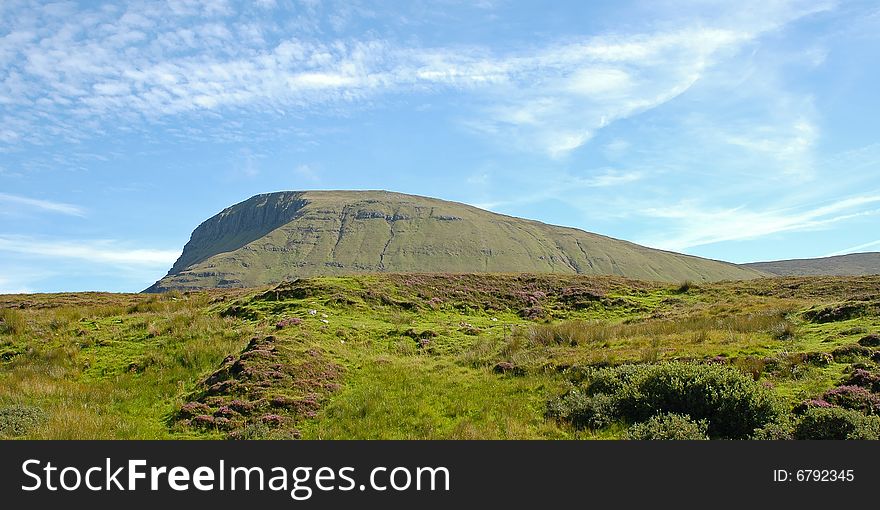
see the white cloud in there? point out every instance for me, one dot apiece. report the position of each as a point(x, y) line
point(67, 75)
point(696, 225)
point(44, 205)
point(95, 251)
point(306, 172)
point(612, 178)
point(855, 249)
point(791, 146)
point(478, 178)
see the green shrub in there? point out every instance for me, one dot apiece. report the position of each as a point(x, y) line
point(781, 429)
point(583, 410)
point(613, 380)
point(18, 420)
point(732, 402)
point(851, 353)
point(669, 426)
point(836, 423)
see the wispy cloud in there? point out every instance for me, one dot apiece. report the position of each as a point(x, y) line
point(697, 226)
point(69, 70)
point(94, 251)
point(560, 187)
point(43, 205)
point(307, 173)
point(855, 249)
point(610, 178)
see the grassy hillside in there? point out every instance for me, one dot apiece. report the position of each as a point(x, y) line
point(447, 356)
point(856, 264)
point(273, 237)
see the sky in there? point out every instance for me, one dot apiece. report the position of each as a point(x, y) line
point(740, 130)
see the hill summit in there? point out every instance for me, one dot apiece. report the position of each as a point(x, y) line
point(278, 236)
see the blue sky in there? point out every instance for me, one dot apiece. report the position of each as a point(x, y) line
point(739, 130)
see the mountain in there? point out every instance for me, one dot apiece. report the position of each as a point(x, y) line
point(856, 264)
point(276, 236)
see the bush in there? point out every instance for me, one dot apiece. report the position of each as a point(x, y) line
point(809, 404)
point(583, 410)
point(732, 402)
point(836, 313)
point(18, 420)
point(836, 423)
point(853, 397)
point(865, 379)
point(613, 380)
point(851, 353)
point(783, 429)
point(669, 426)
point(870, 341)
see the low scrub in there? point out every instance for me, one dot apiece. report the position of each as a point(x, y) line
point(19, 420)
point(585, 411)
point(731, 403)
point(835, 313)
point(856, 398)
point(836, 423)
point(669, 426)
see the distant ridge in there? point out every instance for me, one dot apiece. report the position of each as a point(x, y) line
point(855, 264)
point(277, 236)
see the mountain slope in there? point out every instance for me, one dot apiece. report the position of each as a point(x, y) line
point(276, 236)
point(856, 264)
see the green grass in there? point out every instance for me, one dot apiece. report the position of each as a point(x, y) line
point(404, 356)
point(424, 398)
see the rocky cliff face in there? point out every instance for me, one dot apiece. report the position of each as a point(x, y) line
point(239, 225)
point(272, 237)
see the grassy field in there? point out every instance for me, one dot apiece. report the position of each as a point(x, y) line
point(419, 356)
